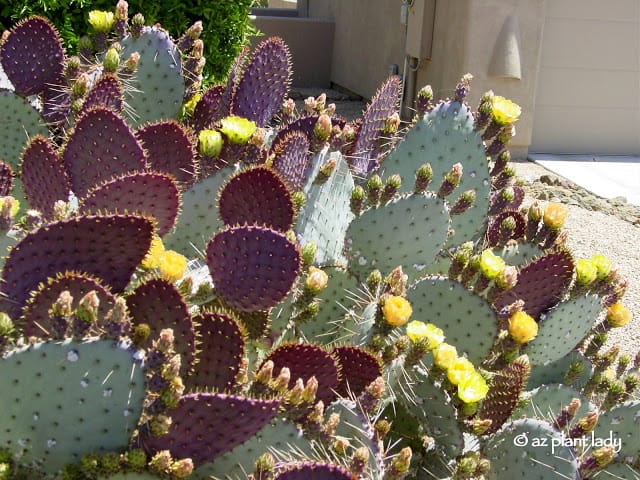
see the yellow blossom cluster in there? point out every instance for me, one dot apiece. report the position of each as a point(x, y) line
point(169, 264)
point(522, 327)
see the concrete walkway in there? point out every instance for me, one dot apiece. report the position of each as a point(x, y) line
point(606, 176)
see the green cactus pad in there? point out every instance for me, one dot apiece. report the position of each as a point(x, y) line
point(44, 178)
point(523, 449)
point(221, 352)
point(519, 253)
point(622, 423)
point(619, 471)
point(100, 148)
point(359, 368)
point(199, 218)
point(541, 283)
point(468, 321)
point(20, 122)
point(109, 247)
point(555, 372)
point(257, 196)
point(147, 193)
point(407, 232)
point(32, 56)
point(444, 137)
point(62, 400)
point(160, 305)
point(325, 217)
point(279, 435)
point(305, 361)
point(546, 402)
point(313, 471)
point(562, 328)
point(106, 92)
point(36, 321)
point(219, 422)
point(131, 476)
point(169, 150)
point(157, 87)
point(252, 268)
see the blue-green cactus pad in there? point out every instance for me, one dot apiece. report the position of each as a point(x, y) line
point(547, 401)
point(408, 232)
point(555, 372)
point(518, 254)
point(444, 137)
point(619, 471)
point(621, 423)
point(158, 85)
point(326, 214)
point(131, 476)
point(18, 123)
point(62, 400)
point(530, 449)
point(468, 321)
point(562, 328)
point(199, 218)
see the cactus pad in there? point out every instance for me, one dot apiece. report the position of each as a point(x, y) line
point(19, 122)
point(366, 152)
point(541, 283)
point(359, 368)
point(152, 194)
point(263, 84)
point(523, 449)
point(221, 352)
point(101, 147)
point(219, 422)
point(32, 56)
point(36, 320)
point(305, 361)
point(210, 109)
point(546, 402)
point(497, 235)
point(107, 92)
point(257, 196)
point(519, 253)
point(6, 179)
point(562, 328)
point(157, 86)
point(108, 247)
point(444, 137)
point(160, 305)
point(621, 422)
point(44, 177)
point(617, 471)
point(291, 159)
point(555, 372)
point(252, 268)
point(323, 225)
point(409, 231)
point(468, 321)
point(169, 150)
point(313, 471)
point(62, 400)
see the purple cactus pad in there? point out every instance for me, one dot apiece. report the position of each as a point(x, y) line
point(206, 425)
point(499, 204)
point(108, 247)
point(253, 268)
point(32, 56)
point(291, 159)
point(257, 196)
point(107, 92)
point(210, 109)
point(6, 179)
point(358, 367)
point(313, 471)
point(159, 304)
point(496, 234)
point(101, 147)
point(220, 355)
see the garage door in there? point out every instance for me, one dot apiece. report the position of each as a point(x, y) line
point(588, 97)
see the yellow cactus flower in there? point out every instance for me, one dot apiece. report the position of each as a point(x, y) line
point(101, 21)
point(586, 272)
point(554, 215)
point(473, 388)
point(417, 330)
point(156, 250)
point(396, 310)
point(491, 265)
point(459, 370)
point(238, 130)
point(172, 266)
point(444, 355)
point(504, 111)
point(190, 105)
point(618, 315)
point(210, 143)
point(522, 327)
point(602, 264)
point(316, 280)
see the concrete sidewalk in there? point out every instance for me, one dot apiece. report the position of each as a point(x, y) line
point(606, 176)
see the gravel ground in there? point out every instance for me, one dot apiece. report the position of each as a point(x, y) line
point(595, 224)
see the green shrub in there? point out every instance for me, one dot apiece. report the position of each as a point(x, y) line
point(226, 22)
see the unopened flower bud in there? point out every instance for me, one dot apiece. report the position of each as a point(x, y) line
point(182, 468)
point(265, 373)
point(210, 143)
point(281, 382)
point(322, 128)
point(316, 280)
point(111, 60)
point(391, 124)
